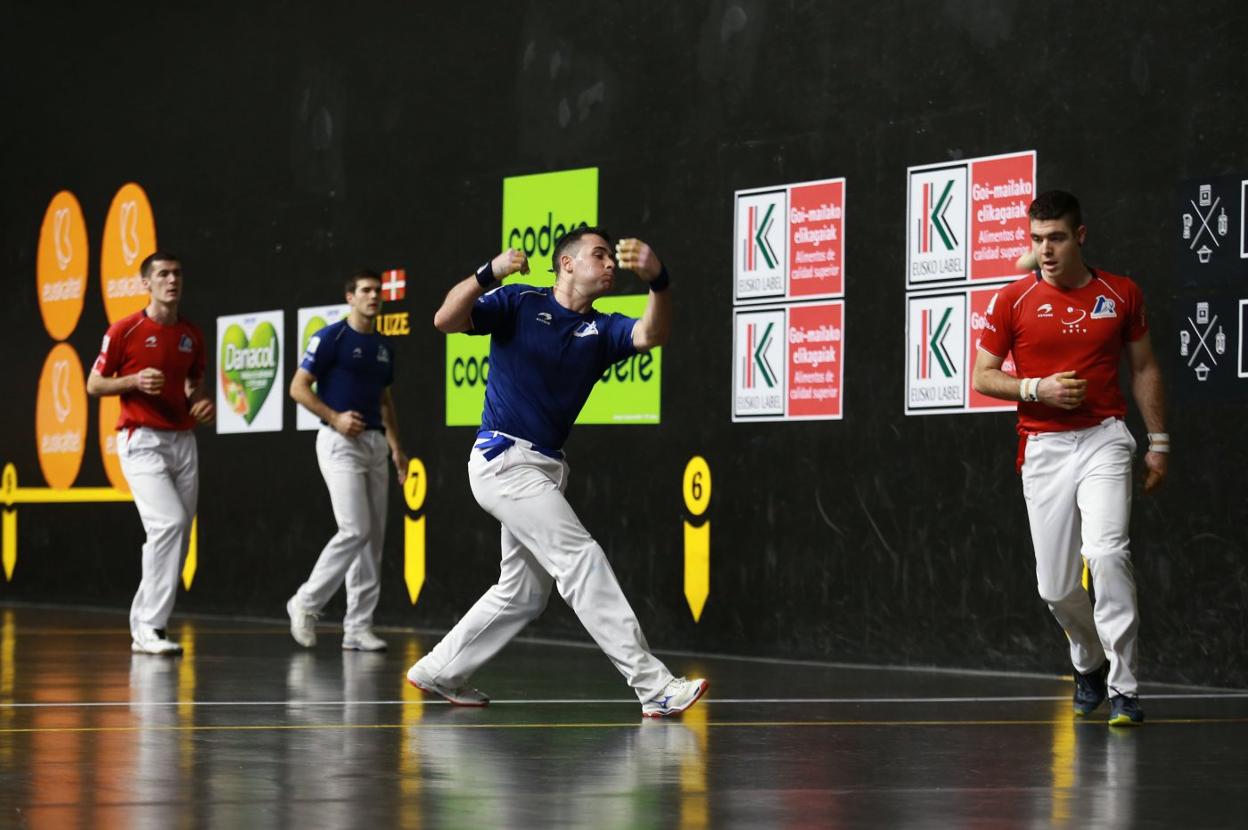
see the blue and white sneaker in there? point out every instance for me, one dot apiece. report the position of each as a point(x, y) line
point(1125, 711)
point(1091, 689)
point(675, 698)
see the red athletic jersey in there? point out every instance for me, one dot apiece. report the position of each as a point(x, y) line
point(137, 342)
point(1050, 329)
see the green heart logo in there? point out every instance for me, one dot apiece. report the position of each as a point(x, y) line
point(248, 368)
point(313, 326)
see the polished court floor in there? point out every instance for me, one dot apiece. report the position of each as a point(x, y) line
point(248, 730)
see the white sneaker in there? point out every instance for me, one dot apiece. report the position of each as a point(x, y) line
point(302, 622)
point(148, 640)
point(463, 696)
point(362, 640)
point(675, 698)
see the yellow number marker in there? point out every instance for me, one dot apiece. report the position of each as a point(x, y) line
point(697, 492)
point(414, 490)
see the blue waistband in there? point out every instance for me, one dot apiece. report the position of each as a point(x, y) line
point(497, 443)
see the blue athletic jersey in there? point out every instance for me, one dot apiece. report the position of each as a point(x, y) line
point(544, 360)
point(351, 369)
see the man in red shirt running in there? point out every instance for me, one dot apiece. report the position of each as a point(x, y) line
point(154, 359)
point(1067, 326)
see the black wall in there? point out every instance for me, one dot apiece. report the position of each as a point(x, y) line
point(285, 144)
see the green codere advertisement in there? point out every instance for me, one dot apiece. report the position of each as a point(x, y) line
point(537, 210)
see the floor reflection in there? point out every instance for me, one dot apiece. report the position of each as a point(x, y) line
point(331, 771)
point(496, 775)
point(245, 730)
point(1093, 774)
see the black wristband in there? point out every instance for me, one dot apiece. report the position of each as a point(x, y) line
point(661, 282)
point(485, 275)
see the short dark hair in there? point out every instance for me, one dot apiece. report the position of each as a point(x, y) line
point(1056, 204)
point(362, 274)
point(573, 237)
point(145, 267)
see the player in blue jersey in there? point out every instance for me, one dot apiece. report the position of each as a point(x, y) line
point(352, 366)
point(548, 349)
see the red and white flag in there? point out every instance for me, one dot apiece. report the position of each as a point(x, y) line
point(393, 284)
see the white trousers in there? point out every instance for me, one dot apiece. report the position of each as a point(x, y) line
point(357, 473)
point(162, 469)
point(1078, 490)
point(543, 544)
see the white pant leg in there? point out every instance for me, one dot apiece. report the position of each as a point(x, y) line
point(518, 597)
point(1049, 487)
point(364, 575)
point(344, 464)
point(161, 468)
point(1105, 504)
point(523, 489)
point(186, 475)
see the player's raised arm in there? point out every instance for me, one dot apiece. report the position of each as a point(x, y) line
point(655, 325)
point(455, 313)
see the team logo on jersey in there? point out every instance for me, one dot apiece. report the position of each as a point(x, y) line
point(383, 355)
point(543, 317)
point(1104, 308)
point(1072, 326)
point(185, 344)
point(150, 342)
point(1045, 310)
point(589, 329)
point(357, 353)
point(313, 345)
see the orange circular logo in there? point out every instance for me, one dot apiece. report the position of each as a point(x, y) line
point(61, 265)
point(129, 236)
point(110, 412)
point(61, 417)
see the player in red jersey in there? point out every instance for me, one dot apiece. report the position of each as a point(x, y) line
point(154, 359)
point(1067, 326)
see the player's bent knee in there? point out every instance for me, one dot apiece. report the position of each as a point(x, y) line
point(351, 535)
point(1113, 554)
point(168, 525)
point(1059, 594)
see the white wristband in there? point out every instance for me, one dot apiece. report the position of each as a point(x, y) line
point(1159, 442)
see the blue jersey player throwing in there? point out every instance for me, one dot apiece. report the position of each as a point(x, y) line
point(549, 346)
